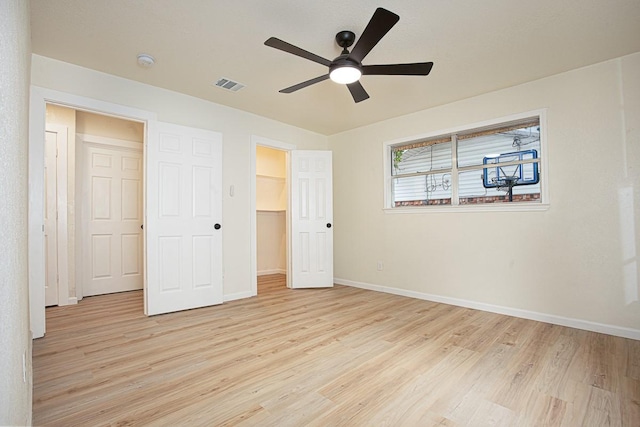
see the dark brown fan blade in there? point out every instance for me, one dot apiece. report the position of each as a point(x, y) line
point(357, 91)
point(417, 69)
point(379, 25)
point(304, 84)
point(288, 47)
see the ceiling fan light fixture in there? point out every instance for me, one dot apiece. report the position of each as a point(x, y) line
point(345, 74)
point(347, 68)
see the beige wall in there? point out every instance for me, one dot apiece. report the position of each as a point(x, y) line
point(236, 126)
point(271, 193)
point(271, 205)
point(578, 260)
point(109, 127)
point(271, 172)
point(59, 115)
point(15, 338)
point(270, 162)
point(271, 242)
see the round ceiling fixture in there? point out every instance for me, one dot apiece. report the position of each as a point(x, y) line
point(344, 71)
point(146, 60)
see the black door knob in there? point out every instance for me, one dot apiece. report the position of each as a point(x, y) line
point(142, 226)
point(328, 225)
point(217, 226)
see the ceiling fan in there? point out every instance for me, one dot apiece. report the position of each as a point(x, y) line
point(347, 68)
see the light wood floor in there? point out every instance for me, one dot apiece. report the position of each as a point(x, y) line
point(328, 357)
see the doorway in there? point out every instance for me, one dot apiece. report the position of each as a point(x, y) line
point(161, 197)
point(39, 99)
point(308, 216)
point(286, 149)
point(271, 216)
point(93, 204)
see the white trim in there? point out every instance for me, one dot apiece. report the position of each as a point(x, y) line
point(486, 207)
point(455, 172)
point(62, 203)
point(586, 325)
point(237, 296)
point(253, 243)
point(272, 143)
point(91, 105)
point(37, 118)
point(467, 127)
point(79, 228)
point(503, 207)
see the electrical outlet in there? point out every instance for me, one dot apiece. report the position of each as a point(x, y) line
point(380, 266)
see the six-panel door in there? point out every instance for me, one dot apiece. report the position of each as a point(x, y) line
point(311, 219)
point(113, 243)
point(184, 219)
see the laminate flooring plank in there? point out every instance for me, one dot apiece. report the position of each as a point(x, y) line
point(325, 357)
point(515, 389)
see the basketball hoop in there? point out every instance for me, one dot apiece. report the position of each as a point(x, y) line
point(505, 183)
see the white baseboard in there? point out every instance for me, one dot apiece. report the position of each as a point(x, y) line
point(515, 312)
point(69, 301)
point(238, 295)
point(274, 271)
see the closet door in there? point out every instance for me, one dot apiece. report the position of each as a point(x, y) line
point(311, 219)
point(184, 219)
point(54, 199)
point(113, 244)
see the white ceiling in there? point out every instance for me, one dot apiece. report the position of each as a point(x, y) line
point(477, 47)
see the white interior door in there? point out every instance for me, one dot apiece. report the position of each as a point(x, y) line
point(184, 218)
point(113, 219)
point(50, 218)
point(311, 219)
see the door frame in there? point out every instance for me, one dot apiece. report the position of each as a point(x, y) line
point(287, 148)
point(37, 123)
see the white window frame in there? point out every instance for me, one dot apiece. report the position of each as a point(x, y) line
point(487, 207)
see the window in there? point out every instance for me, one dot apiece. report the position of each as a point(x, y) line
point(499, 163)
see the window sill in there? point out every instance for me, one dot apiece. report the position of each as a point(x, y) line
point(501, 207)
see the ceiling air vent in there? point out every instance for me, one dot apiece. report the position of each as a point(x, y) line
point(229, 85)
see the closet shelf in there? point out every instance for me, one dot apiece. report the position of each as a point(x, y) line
point(275, 178)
